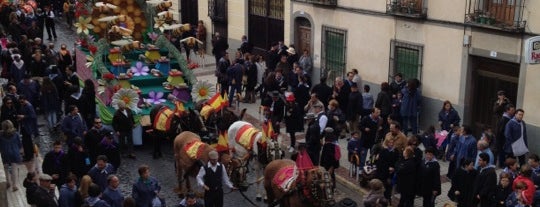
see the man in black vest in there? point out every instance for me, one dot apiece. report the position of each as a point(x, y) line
point(211, 178)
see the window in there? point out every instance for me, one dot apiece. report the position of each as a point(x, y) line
point(405, 58)
point(265, 23)
point(217, 10)
point(334, 47)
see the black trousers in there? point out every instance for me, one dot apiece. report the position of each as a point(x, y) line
point(428, 200)
point(51, 30)
point(213, 198)
point(406, 200)
point(126, 141)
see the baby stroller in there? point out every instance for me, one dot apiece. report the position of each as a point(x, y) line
point(369, 171)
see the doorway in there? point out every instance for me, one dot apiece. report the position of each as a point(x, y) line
point(490, 76)
point(189, 11)
point(302, 35)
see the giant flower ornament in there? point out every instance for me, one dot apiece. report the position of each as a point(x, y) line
point(203, 90)
point(155, 97)
point(83, 25)
point(139, 69)
point(128, 96)
point(153, 36)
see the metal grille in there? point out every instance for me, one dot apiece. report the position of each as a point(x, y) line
point(265, 23)
point(499, 13)
point(405, 58)
point(411, 8)
point(217, 10)
point(334, 57)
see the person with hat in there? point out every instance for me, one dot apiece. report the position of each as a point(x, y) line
point(212, 176)
point(293, 118)
point(292, 56)
point(44, 194)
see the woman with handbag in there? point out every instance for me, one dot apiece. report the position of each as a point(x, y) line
point(146, 190)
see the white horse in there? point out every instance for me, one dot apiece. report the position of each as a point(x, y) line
point(244, 141)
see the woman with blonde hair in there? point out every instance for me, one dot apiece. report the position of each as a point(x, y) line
point(375, 196)
point(10, 147)
point(82, 193)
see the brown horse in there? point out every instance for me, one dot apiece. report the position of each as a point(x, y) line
point(310, 188)
point(190, 154)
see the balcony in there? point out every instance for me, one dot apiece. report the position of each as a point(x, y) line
point(320, 2)
point(504, 15)
point(407, 8)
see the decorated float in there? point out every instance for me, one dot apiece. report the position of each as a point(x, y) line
point(125, 47)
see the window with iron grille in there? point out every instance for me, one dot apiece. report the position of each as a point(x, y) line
point(505, 14)
point(217, 10)
point(405, 58)
point(334, 56)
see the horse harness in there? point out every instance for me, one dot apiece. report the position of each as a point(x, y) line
point(319, 191)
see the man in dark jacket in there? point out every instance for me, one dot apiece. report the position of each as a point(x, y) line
point(55, 164)
point(93, 137)
point(123, 123)
point(500, 140)
point(430, 186)
point(514, 130)
point(221, 72)
point(73, 125)
point(354, 107)
point(370, 126)
point(486, 182)
point(101, 171)
point(220, 46)
point(323, 91)
point(44, 194)
point(235, 73)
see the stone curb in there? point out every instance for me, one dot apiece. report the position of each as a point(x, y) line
point(351, 185)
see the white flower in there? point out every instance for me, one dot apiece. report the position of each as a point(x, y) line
point(129, 96)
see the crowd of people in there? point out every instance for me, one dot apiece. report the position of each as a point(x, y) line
point(383, 128)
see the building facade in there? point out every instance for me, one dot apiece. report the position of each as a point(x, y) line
point(463, 51)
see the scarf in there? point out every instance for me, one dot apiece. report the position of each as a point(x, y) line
point(19, 64)
point(57, 158)
point(108, 145)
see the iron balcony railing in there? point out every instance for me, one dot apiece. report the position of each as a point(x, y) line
point(320, 2)
point(504, 15)
point(407, 8)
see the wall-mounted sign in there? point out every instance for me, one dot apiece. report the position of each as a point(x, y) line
point(532, 50)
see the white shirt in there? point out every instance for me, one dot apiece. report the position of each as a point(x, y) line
point(224, 177)
point(322, 122)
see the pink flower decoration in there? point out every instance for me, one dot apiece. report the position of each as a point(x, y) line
point(155, 97)
point(153, 36)
point(139, 69)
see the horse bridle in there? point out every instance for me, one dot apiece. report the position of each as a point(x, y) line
point(240, 171)
point(320, 190)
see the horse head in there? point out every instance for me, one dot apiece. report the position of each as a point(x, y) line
point(319, 184)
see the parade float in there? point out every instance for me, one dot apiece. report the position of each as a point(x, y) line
point(125, 47)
